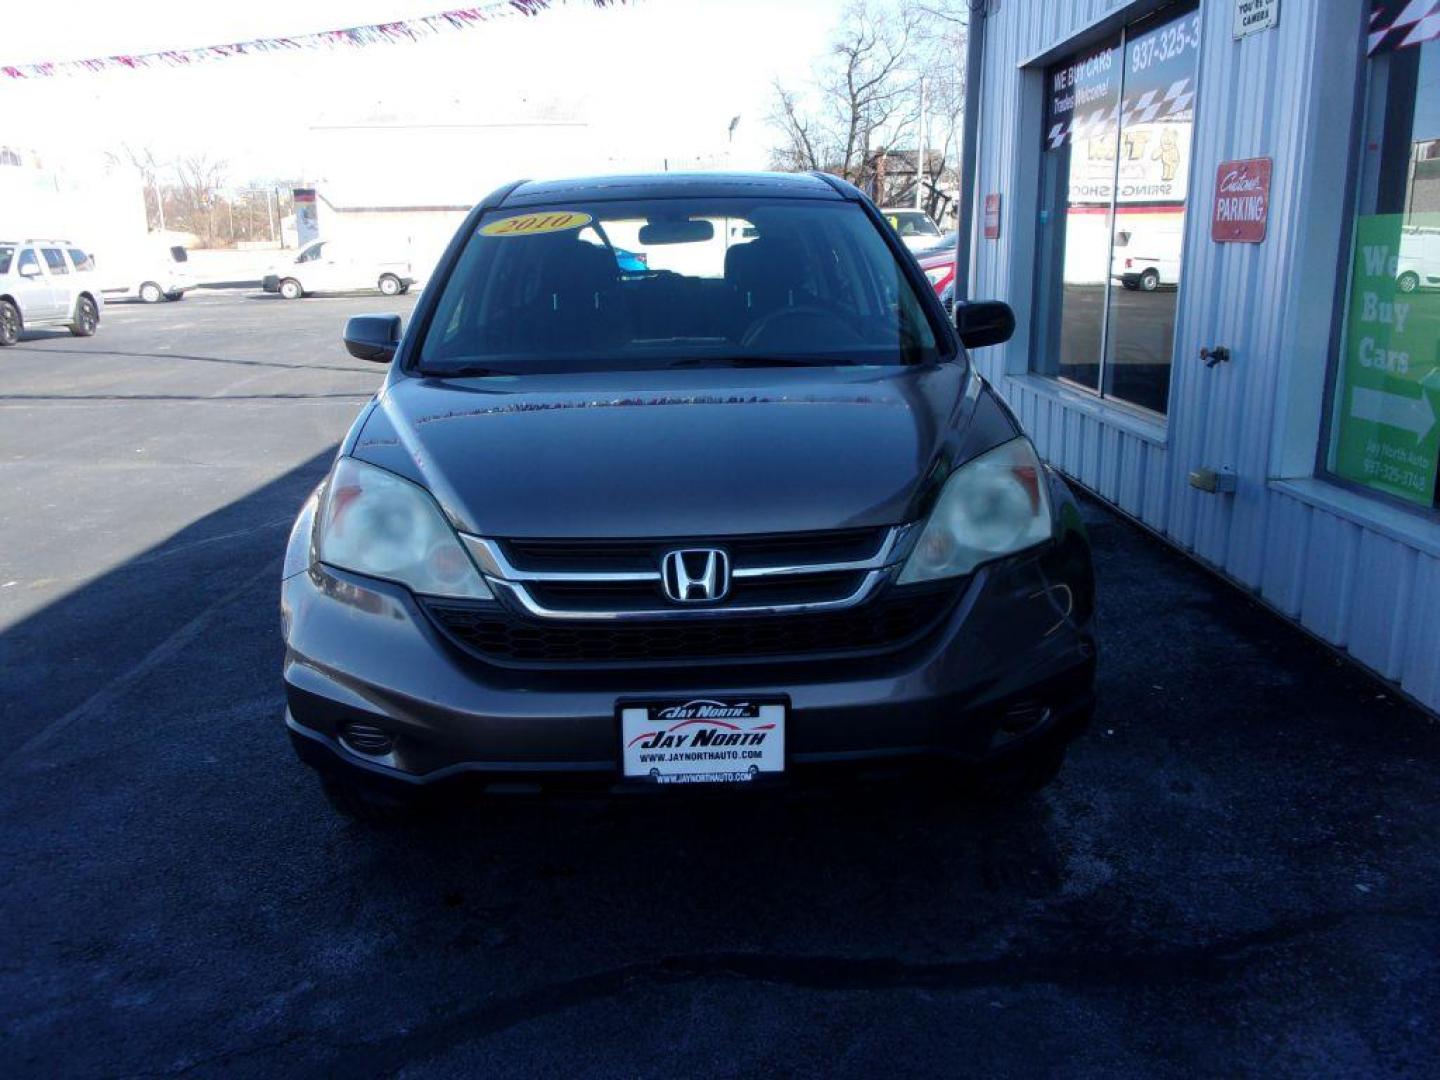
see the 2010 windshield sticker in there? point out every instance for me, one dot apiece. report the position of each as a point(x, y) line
point(536, 224)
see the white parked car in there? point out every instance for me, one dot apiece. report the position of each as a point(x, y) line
point(1419, 264)
point(1149, 258)
point(334, 266)
point(150, 274)
point(47, 283)
point(916, 229)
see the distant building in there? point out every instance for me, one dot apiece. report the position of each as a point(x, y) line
point(81, 198)
point(403, 180)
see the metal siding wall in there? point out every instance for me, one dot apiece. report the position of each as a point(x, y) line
point(1356, 588)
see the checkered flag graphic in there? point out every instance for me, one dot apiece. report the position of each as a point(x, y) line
point(1092, 124)
point(1396, 24)
point(1152, 105)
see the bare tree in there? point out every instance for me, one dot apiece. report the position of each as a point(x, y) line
point(859, 117)
point(142, 159)
point(798, 152)
point(199, 179)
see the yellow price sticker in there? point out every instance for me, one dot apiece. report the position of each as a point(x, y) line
point(536, 224)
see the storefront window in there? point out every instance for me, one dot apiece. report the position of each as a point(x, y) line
point(1114, 180)
point(1385, 428)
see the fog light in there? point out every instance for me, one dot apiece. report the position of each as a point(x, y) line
point(367, 739)
point(1020, 719)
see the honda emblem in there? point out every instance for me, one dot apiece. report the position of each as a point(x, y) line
point(695, 575)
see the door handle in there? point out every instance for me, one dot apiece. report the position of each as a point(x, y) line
point(1212, 355)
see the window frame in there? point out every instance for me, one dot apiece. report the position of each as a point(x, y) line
point(1340, 321)
point(63, 270)
point(1146, 18)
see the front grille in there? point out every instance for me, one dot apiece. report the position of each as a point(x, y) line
point(823, 587)
point(793, 573)
point(885, 625)
point(841, 545)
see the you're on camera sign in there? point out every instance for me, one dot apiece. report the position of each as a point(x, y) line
point(1252, 16)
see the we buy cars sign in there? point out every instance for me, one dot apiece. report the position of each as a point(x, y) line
point(1242, 202)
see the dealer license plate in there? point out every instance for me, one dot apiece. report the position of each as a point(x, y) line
point(703, 740)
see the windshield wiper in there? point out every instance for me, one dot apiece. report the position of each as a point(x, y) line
point(462, 371)
point(757, 361)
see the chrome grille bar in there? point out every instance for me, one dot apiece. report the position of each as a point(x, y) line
point(511, 581)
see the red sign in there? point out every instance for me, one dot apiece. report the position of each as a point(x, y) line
point(1242, 201)
point(992, 217)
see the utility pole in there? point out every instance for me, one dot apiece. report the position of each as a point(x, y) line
point(920, 152)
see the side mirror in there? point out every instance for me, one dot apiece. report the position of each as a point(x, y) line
point(984, 322)
point(30, 270)
point(373, 337)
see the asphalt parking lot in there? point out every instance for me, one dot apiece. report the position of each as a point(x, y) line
point(1236, 874)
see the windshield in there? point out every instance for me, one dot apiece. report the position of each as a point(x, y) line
point(912, 223)
point(675, 282)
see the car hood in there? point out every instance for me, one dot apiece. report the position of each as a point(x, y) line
point(709, 452)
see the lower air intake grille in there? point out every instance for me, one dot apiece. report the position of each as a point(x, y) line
point(366, 739)
point(494, 634)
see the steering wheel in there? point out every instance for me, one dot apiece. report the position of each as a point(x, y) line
point(832, 320)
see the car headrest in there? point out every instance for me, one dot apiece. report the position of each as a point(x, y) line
point(770, 269)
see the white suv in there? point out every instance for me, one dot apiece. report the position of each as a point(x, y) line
point(47, 283)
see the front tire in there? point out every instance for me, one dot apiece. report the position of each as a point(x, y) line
point(87, 318)
point(360, 804)
point(1149, 281)
point(290, 289)
point(151, 293)
point(389, 284)
point(1408, 282)
point(9, 323)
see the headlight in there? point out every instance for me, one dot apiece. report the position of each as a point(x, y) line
point(375, 523)
point(995, 505)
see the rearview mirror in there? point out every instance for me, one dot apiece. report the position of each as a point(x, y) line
point(373, 337)
point(676, 231)
point(984, 322)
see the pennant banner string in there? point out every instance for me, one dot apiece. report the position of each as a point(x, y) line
point(354, 37)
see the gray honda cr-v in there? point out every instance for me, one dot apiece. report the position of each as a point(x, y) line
point(682, 480)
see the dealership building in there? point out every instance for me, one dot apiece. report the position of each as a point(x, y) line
point(1219, 226)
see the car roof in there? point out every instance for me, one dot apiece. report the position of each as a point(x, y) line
point(668, 186)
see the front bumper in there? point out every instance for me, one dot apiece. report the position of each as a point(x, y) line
point(360, 650)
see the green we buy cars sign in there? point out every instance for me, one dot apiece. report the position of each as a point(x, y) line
point(1388, 415)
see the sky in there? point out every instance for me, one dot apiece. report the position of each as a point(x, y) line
point(652, 80)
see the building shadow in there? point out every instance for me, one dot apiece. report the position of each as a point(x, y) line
point(54, 660)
